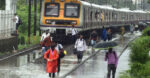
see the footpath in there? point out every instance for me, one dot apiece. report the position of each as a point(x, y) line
point(123, 64)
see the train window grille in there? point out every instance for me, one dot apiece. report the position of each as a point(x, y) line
point(52, 9)
point(96, 15)
point(91, 15)
point(72, 10)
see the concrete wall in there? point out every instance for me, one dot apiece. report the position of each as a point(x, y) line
point(7, 25)
point(8, 44)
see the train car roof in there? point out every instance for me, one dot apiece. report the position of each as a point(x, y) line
point(108, 7)
point(97, 6)
point(86, 3)
point(139, 11)
point(125, 10)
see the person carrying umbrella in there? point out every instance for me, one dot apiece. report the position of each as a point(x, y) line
point(112, 59)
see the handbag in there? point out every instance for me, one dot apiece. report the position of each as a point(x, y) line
point(74, 51)
point(61, 54)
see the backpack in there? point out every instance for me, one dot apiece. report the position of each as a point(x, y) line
point(61, 53)
point(80, 44)
point(113, 53)
point(20, 21)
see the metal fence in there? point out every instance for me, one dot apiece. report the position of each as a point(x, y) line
point(7, 25)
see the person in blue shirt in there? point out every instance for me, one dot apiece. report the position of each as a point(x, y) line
point(104, 34)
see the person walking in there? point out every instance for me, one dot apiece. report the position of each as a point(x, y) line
point(60, 50)
point(51, 57)
point(16, 20)
point(109, 34)
point(93, 38)
point(80, 45)
point(44, 35)
point(104, 34)
point(131, 28)
point(122, 34)
point(112, 59)
point(74, 33)
point(45, 41)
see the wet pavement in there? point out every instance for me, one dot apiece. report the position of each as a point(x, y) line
point(95, 67)
point(123, 63)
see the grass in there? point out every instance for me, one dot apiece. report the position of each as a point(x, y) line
point(2, 53)
point(33, 40)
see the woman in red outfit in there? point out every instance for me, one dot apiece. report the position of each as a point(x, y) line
point(51, 56)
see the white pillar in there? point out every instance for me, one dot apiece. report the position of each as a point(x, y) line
point(10, 5)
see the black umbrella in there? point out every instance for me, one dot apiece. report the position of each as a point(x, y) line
point(105, 45)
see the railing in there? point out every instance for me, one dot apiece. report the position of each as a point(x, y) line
point(7, 25)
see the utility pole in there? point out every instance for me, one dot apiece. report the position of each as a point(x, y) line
point(40, 17)
point(35, 14)
point(29, 21)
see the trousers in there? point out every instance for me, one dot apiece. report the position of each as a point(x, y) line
point(111, 67)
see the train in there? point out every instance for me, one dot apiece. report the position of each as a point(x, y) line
point(58, 16)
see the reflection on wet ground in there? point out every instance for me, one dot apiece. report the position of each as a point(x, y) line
point(96, 67)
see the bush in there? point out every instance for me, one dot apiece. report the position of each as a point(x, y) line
point(139, 70)
point(22, 40)
point(140, 49)
point(125, 75)
point(140, 66)
point(144, 33)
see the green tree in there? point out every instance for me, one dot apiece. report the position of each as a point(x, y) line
point(148, 1)
point(22, 11)
point(2, 4)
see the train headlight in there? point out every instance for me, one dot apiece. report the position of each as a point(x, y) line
point(48, 21)
point(74, 22)
point(53, 23)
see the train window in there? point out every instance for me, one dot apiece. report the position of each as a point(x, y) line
point(72, 10)
point(96, 15)
point(52, 9)
point(91, 15)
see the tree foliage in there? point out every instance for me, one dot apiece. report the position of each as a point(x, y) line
point(148, 1)
point(22, 11)
point(2, 4)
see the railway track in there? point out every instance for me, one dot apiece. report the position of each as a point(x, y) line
point(20, 53)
